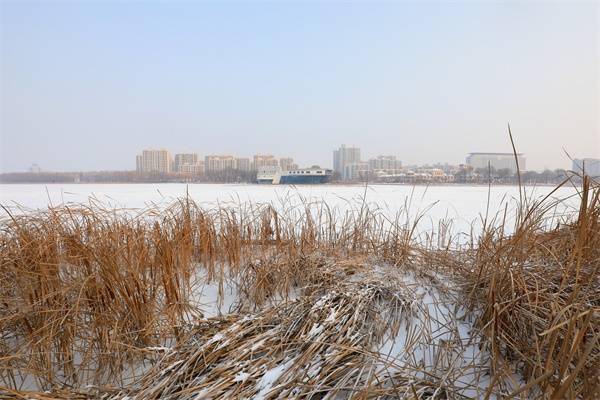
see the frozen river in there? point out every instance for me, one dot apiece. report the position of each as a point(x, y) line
point(464, 205)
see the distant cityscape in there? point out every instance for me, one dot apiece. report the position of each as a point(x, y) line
point(160, 161)
point(158, 165)
point(348, 166)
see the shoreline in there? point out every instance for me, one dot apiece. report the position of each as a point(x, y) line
point(356, 184)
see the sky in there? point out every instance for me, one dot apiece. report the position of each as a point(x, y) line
point(88, 85)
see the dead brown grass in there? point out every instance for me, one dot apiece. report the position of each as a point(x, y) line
point(86, 291)
point(538, 291)
point(84, 288)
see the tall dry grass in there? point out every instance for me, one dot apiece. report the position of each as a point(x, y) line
point(85, 288)
point(538, 291)
point(86, 291)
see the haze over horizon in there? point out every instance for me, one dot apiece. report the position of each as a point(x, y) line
point(87, 86)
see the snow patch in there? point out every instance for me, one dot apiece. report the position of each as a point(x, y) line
point(241, 376)
point(265, 385)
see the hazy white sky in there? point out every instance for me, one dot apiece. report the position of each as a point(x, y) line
point(86, 86)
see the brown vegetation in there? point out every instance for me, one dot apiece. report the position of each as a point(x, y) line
point(539, 292)
point(87, 294)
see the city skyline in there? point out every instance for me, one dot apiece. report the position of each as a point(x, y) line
point(347, 164)
point(164, 161)
point(329, 164)
point(159, 165)
point(84, 85)
point(149, 159)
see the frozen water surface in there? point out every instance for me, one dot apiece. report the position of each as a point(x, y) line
point(463, 205)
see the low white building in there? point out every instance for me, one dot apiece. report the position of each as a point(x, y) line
point(496, 160)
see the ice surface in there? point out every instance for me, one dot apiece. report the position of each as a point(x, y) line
point(461, 204)
point(206, 295)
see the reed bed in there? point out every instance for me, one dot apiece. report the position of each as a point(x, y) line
point(538, 294)
point(85, 288)
point(99, 302)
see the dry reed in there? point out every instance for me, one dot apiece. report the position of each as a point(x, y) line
point(90, 297)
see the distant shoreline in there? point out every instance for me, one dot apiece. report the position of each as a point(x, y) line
point(358, 184)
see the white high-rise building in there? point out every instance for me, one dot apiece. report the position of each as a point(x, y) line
point(343, 157)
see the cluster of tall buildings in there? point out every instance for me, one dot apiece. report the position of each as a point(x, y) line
point(348, 165)
point(161, 161)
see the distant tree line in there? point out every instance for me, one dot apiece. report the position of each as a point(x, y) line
point(230, 176)
point(464, 175)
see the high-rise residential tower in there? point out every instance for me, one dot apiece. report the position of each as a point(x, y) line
point(345, 156)
point(158, 161)
point(242, 164)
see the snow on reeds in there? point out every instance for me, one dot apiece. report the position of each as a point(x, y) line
point(243, 301)
point(371, 332)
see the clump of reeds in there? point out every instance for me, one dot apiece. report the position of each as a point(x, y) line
point(83, 288)
point(538, 291)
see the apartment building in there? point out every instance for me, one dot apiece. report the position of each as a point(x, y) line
point(343, 157)
point(153, 161)
point(217, 163)
point(243, 164)
point(260, 161)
